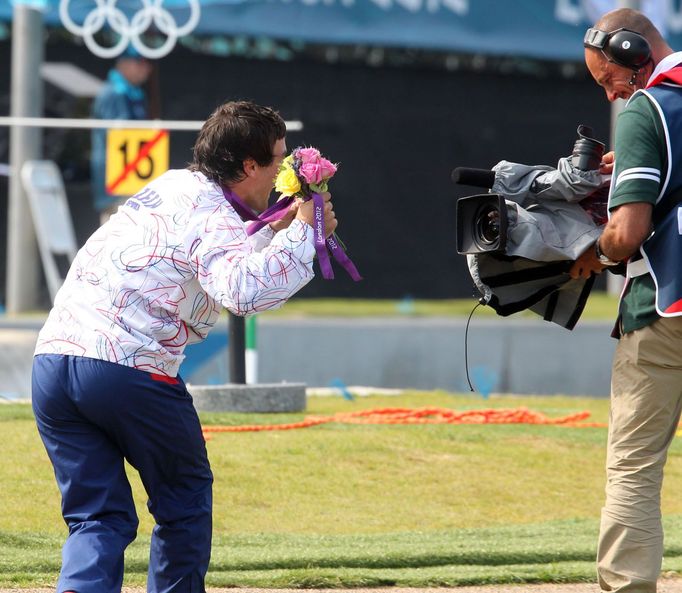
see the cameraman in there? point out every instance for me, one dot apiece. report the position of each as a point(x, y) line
point(628, 57)
point(151, 280)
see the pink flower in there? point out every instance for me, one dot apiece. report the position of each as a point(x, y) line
point(311, 172)
point(309, 155)
point(327, 168)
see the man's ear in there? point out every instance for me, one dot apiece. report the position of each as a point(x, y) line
point(250, 167)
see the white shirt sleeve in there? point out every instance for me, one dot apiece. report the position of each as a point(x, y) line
point(234, 273)
point(262, 238)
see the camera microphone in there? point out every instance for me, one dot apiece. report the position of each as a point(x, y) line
point(476, 177)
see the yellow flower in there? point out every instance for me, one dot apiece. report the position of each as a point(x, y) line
point(287, 183)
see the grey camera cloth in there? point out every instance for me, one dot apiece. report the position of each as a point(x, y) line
point(548, 228)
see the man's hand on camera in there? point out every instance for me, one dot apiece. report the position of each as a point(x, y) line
point(306, 213)
point(587, 264)
point(284, 222)
point(606, 165)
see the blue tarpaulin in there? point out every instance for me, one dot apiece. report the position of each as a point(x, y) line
point(547, 29)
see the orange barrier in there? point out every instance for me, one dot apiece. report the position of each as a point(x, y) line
point(423, 416)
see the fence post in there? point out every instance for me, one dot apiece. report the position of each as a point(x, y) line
point(251, 351)
point(237, 348)
point(23, 266)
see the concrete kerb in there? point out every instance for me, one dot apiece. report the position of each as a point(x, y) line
point(258, 398)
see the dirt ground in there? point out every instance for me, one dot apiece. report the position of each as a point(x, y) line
point(666, 585)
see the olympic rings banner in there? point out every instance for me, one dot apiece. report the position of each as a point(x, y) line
point(129, 30)
point(547, 29)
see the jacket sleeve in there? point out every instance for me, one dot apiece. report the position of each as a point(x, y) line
point(262, 238)
point(234, 274)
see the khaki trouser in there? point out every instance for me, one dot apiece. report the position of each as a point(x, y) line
point(646, 398)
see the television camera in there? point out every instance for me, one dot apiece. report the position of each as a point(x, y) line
point(521, 238)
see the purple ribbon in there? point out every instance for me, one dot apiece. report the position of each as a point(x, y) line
point(332, 242)
point(236, 202)
point(275, 212)
point(279, 210)
point(342, 258)
point(320, 239)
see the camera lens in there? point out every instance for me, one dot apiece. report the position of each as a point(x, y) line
point(482, 223)
point(488, 225)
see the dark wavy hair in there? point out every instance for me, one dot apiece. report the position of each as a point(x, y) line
point(234, 132)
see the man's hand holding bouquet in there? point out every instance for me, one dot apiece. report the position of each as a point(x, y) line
point(305, 211)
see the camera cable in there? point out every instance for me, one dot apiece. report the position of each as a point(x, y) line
point(481, 301)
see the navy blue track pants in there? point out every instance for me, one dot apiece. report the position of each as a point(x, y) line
point(92, 415)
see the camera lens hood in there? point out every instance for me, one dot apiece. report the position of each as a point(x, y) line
point(481, 224)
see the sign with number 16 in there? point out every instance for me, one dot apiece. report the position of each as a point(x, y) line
point(134, 158)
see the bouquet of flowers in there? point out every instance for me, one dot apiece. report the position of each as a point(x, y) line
point(304, 174)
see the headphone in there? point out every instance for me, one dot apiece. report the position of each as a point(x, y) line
point(622, 46)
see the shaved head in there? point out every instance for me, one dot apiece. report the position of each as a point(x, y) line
point(633, 20)
point(620, 81)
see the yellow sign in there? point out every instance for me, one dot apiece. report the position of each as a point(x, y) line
point(134, 158)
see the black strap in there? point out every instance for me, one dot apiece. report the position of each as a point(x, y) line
point(528, 275)
point(515, 307)
point(551, 306)
point(582, 300)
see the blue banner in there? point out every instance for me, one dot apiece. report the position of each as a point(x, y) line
point(547, 29)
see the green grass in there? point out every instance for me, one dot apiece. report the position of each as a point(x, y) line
point(365, 505)
point(561, 551)
point(599, 306)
